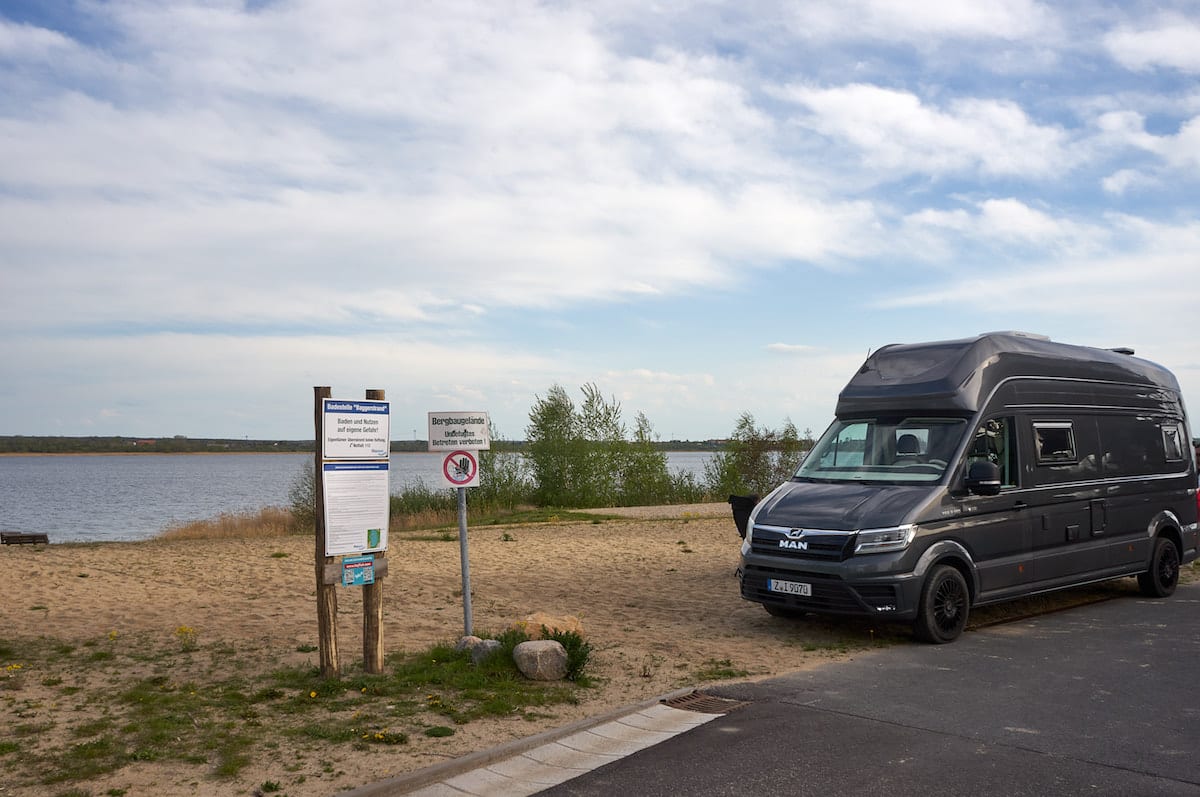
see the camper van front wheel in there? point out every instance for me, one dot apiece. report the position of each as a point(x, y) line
point(1160, 580)
point(945, 602)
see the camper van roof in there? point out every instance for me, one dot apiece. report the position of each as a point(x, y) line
point(959, 375)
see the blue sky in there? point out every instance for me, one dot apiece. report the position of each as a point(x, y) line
point(703, 208)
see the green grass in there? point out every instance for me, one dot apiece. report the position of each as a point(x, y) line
point(212, 707)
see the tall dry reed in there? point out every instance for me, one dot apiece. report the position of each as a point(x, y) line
point(271, 521)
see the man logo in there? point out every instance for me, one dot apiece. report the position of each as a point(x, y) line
point(794, 541)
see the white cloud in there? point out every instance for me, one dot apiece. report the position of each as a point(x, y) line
point(895, 131)
point(1180, 150)
point(31, 43)
point(1170, 41)
point(1066, 291)
point(790, 348)
point(1007, 223)
point(301, 149)
point(918, 22)
point(1124, 180)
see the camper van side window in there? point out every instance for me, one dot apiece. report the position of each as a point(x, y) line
point(1055, 443)
point(993, 442)
point(1139, 445)
point(1173, 441)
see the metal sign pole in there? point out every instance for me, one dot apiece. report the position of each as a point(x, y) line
point(466, 566)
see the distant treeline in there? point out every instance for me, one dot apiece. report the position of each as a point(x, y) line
point(34, 444)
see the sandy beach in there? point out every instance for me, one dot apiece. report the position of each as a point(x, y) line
point(655, 592)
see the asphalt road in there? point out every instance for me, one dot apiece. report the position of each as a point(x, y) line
point(1098, 700)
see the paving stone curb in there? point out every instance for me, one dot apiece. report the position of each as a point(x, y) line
point(411, 781)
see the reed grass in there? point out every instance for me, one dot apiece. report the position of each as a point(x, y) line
point(415, 507)
point(271, 521)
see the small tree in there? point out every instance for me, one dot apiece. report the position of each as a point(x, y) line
point(503, 476)
point(600, 450)
point(756, 460)
point(581, 457)
point(551, 438)
point(645, 479)
point(302, 498)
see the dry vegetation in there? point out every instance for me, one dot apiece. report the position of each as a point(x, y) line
point(268, 522)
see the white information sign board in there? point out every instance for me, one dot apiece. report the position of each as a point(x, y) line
point(455, 431)
point(356, 429)
point(461, 469)
point(356, 507)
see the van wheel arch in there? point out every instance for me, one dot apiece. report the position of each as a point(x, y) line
point(951, 553)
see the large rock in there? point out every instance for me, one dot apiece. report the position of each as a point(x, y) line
point(541, 660)
point(484, 650)
point(480, 649)
point(533, 624)
point(467, 643)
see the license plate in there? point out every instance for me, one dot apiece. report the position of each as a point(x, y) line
point(789, 587)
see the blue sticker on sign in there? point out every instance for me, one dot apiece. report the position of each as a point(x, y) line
point(358, 570)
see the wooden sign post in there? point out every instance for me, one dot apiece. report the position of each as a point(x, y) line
point(327, 641)
point(373, 601)
point(328, 573)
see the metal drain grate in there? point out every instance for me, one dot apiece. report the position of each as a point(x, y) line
point(704, 704)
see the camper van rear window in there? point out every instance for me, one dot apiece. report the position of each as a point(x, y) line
point(1055, 442)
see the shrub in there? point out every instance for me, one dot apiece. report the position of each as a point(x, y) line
point(579, 652)
point(302, 498)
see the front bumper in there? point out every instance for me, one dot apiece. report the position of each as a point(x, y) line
point(836, 589)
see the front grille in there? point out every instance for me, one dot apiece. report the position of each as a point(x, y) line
point(829, 547)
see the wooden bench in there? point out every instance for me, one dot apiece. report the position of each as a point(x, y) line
point(21, 538)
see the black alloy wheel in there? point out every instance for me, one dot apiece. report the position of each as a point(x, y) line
point(1163, 576)
point(945, 604)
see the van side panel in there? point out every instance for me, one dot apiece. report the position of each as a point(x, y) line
point(1065, 498)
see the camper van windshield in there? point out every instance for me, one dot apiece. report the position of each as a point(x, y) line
point(892, 450)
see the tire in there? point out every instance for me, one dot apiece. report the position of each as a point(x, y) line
point(945, 604)
point(1163, 576)
point(783, 611)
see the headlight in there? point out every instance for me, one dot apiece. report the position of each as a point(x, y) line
point(896, 538)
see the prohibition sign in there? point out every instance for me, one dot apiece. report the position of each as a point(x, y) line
point(461, 469)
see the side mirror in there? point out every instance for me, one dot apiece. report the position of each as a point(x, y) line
point(983, 478)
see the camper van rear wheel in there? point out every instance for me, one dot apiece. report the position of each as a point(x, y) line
point(1160, 580)
point(945, 603)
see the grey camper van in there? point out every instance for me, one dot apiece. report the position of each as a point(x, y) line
point(967, 472)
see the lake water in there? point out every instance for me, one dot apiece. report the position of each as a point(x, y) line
point(134, 497)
